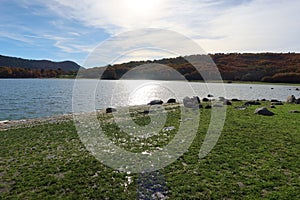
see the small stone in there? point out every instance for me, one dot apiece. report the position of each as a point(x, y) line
point(294, 111)
point(241, 185)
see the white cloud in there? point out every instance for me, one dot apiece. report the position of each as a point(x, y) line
point(257, 26)
point(218, 26)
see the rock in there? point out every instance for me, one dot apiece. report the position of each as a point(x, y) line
point(205, 99)
point(227, 102)
point(110, 110)
point(207, 107)
point(272, 88)
point(294, 111)
point(210, 95)
point(297, 89)
point(171, 101)
point(193, 102)
point(222, 99)
point(249, 103)
point(158, 195)
point(274, 100)
point(263, 111)
point(277, 103)
point(144, 112)
point(197, 98)
point(241, 185)
point(155, 102)
point(169, 128)
point(240, 107)
point(234, 100)
point(298, 101)
point(263, 100)
point(272, 106)
point(291, 99)
point(4, 122)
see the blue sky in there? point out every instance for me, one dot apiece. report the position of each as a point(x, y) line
point(71, 29)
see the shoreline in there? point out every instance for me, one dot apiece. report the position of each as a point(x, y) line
point(26, 123)
point(190, 81)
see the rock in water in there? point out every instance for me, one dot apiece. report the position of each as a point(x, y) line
point(263, 111)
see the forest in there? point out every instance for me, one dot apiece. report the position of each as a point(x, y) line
point(16, 72)
point(12, 67)
point(264, 67)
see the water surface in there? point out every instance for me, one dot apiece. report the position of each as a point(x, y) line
point(33, 98)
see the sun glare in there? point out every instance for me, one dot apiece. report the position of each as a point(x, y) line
point(141, 7)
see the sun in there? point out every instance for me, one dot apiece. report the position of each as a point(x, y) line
point(141, 7)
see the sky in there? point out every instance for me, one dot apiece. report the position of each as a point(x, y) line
point(71, 29)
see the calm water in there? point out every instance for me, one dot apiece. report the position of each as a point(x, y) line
point(32, 98)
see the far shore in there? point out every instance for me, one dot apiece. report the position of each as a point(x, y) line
point(191, 81)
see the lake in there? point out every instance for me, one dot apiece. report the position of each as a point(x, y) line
point(33, 98)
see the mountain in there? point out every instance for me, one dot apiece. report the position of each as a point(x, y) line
point(265, 67)
point(13, 62)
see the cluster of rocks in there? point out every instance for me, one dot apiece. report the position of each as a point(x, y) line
point(195, 102)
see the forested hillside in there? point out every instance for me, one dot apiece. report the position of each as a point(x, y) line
point(11, 67)
point(266, 67)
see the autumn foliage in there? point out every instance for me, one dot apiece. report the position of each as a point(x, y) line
point(8, 72)
point(268, 67)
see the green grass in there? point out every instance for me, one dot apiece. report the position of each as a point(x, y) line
point(256, 157)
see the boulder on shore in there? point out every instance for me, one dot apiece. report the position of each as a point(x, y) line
point(205, 99)
point(227, 102)
point(249, 103)
point(155, 102)
point(274, 100)
point(291, 99)
point(110, 110)
point(263, 111)
point(193, 102)
point(171, 101)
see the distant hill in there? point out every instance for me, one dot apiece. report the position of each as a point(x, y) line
point(13, 62)
point(265, 67)
point(11, 67)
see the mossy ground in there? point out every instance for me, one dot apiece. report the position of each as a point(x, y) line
point(256, 157)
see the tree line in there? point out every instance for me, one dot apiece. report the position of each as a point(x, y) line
point(16, 72)
point(265, 67)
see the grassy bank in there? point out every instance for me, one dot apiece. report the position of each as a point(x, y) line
point(255, 157)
